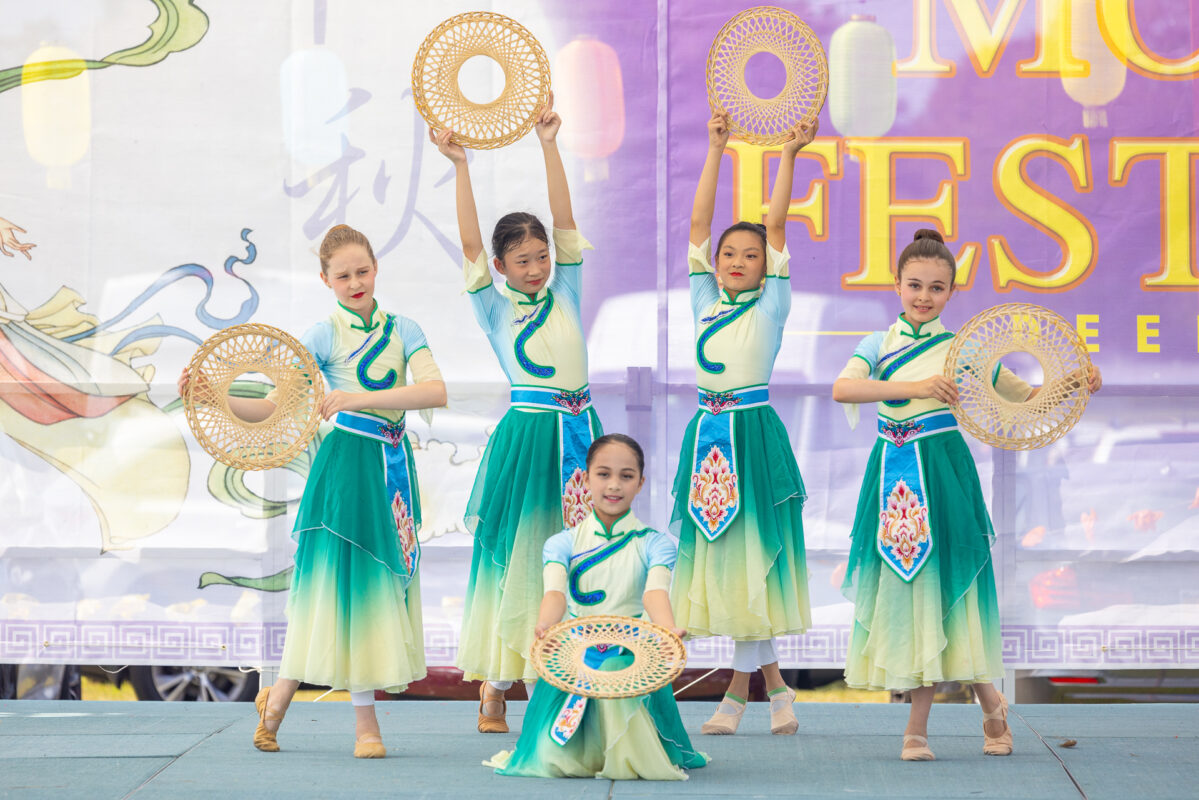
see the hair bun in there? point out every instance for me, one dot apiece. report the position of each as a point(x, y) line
point(341, 226)
point(928, 233)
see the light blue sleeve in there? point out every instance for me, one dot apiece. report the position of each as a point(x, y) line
point(490, 308)
point(557, 549)
point(318, 340)
point(868, 349)
point(412, 336)
point(660, 551)
point(776, 293)
point(704, 293)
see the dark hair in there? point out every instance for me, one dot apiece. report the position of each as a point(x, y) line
point(514, 228)
point(617, 438)
point(927, 244)
point(338, 237)
point(749, 227)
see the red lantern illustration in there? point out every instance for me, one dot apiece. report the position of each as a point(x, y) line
point(590, 96)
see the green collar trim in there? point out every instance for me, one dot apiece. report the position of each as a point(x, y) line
point(368, 324)
point(916, 329)
point(609, 531)
point(741, 298)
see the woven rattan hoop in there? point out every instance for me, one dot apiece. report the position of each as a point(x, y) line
point(767, 29)
point(976, 354)
point(299, 390)
point(526, 69)
point(658, 656)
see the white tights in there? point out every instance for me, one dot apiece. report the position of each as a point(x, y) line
point(748, 656)
point(501, 686)
point(366, 698)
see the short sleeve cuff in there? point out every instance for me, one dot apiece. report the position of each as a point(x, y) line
point(778, 264)
point(476, 273)
point(857, 368)
point(423, 367)
point(658, 578)
point(553, 577)
point(569, 245)
point(699, 259)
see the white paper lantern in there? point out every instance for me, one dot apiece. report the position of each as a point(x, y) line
point(862, 96)
point(1106, 79)
point(57, 117)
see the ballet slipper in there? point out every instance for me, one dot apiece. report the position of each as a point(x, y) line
point(782, 713)
point(369, 745)
point(919, 752)
point(726, 719)
point(1000, 745)
point(491, 723)
point(265, 739)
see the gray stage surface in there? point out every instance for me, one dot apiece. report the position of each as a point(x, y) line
point(181, 750)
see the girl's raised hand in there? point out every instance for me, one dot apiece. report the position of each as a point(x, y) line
point(548, 122)
point(540, 629)
point(938, 387)
point(454, 152)
point(718, 130)
point(185, 378)
point(337, 400)
point(801, 137)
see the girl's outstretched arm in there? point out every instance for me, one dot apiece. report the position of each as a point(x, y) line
point(468, 216)
point(867, 390)
point(426, 394)
point(548, 123)
point(705, 193)
point(780, 195)
point(657, 606)
point(553, 609)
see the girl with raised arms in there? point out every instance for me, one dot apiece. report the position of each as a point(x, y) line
point(919, 572)
point(610, 563)
point(531, 481)
point(738, 493)
point(354, 612)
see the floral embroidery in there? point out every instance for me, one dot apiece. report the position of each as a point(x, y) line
point(714, 488)
point(406, 529)
point(900, 432)
point(568, 719)
point(393, 432)
point(905, 530)
point(719, 401)
point(576, 499)
point(574, 402)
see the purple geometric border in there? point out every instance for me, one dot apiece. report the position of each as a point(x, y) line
point(253, 644)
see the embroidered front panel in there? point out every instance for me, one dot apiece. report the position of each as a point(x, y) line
point(714, 489)
point(569, 719)
point(406, 529)
point(719, 401)
point(403, 506)
point(522, 339)
point(576, 499)
point(388, 380)
point(574, 402)
point(393, 432)
point(904, 530)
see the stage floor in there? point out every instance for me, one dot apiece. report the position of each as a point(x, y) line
point(179, 750)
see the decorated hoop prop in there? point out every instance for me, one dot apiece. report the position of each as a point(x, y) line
point(973, 363)
point(767, 29)
point(658, 656)
point(482, 126)
point(228, 438)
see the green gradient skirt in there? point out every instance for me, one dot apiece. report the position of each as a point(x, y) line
point(623, 739)
point(351, 622)
point(944, 625)
point(515, 505)
point(752, 582)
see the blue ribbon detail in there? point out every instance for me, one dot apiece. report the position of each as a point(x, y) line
point(588, 561)
point(526, 363)
point(714, 431)
point(388, 380)
point(717, 367)
point(247, 309)
point(913, 352)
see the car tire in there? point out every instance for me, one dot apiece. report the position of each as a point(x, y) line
point(202, 684)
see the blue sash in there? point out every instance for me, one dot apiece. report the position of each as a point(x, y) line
point(714, 499)
point(574, 438)
point(905, 536)
point(571, 716)
point(397, 474)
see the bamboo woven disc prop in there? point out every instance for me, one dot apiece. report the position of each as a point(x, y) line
point(228, 438)
point(975, 355)
point(482, 126)
point(767, 29)
point(658, 656)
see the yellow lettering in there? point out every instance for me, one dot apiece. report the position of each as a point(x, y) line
point(924, 60)
point(881, 210)
point(1049, 214)
point(1082, 323)
point(984, 34)
point(1146, 330)
point(1053, 56)
point(1118, 24)
point(1178, 270)
point(751, 200)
